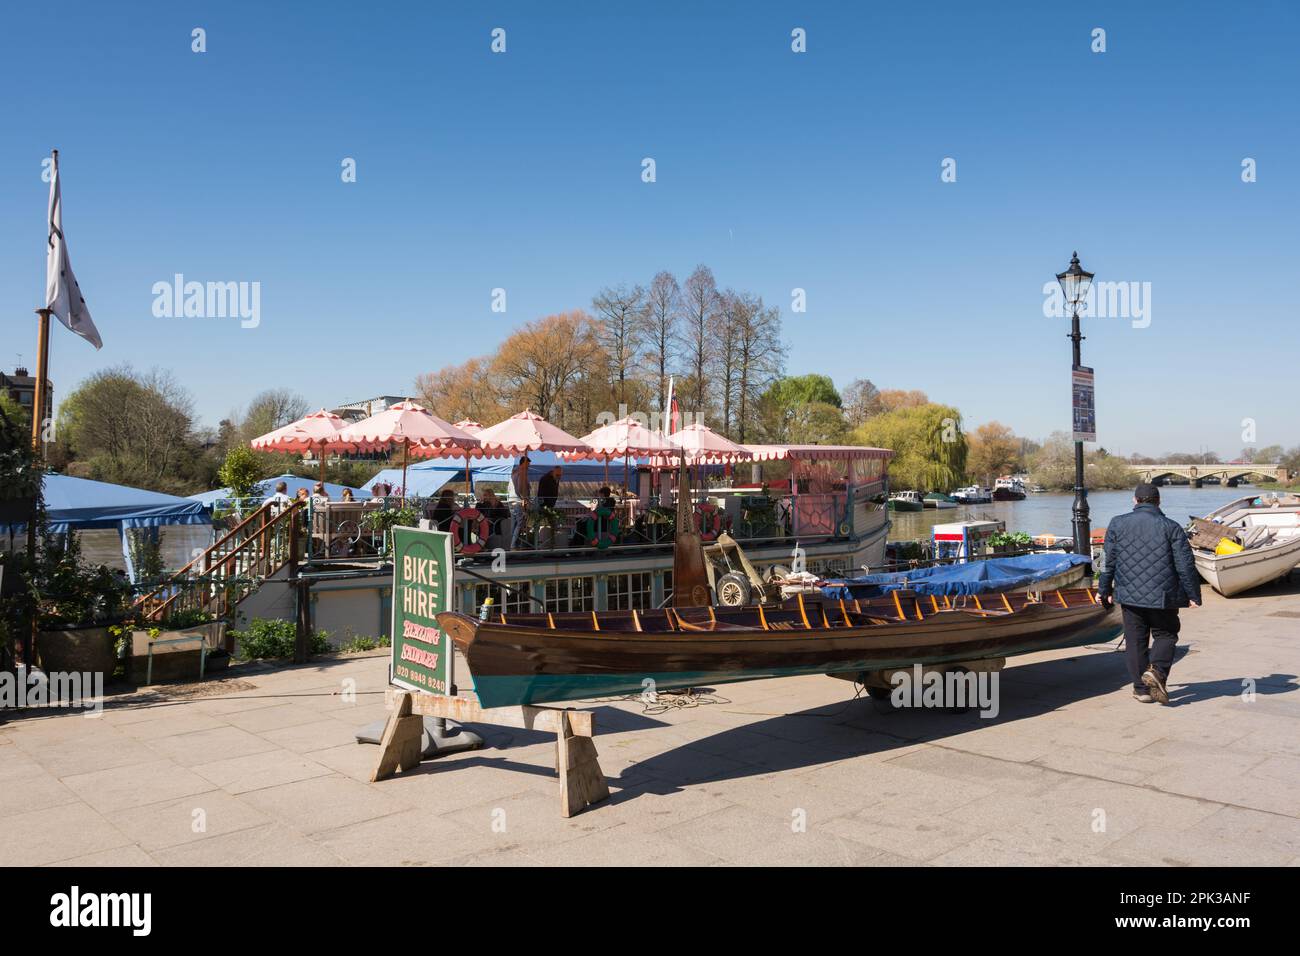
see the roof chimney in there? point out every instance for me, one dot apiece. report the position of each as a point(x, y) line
point(21, 370)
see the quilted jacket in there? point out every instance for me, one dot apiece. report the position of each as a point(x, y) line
point(1148, 561)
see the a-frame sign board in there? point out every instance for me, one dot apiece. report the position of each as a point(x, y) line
point(422, 666)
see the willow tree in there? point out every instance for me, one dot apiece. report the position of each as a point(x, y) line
point(928, 444)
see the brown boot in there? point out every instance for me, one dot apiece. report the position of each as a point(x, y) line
point(1156, 685)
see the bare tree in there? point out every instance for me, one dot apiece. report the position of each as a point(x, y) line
point(620, 330)
point(861, 401)
point(760, 356)
point(733, 312)
point(270, 409)
point(535, 365)
point(663, 305)
point(700, 303)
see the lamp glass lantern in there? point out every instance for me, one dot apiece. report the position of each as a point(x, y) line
point(1074, 283)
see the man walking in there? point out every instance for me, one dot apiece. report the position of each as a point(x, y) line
point(1151, 572)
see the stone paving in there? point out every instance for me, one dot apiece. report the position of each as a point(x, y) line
point(265, 771)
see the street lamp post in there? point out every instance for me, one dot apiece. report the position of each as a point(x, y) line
point(1074, 283)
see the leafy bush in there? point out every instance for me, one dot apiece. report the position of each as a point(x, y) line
point(407, 516)
point(190, 617)
point(1016, 539)
point(365, 644)
point(274, 638)
point(241, 472)
point(74, 594)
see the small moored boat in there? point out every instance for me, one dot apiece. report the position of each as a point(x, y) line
point(972, 495)
point(906, 501)
point(937, 499)
point(1008, 488)
point(1264, 542)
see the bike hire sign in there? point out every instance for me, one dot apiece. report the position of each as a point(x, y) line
point(422, 572)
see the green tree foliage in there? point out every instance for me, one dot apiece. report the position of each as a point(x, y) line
point(802, 409)
point(1052, 466)
point(928, 444)
point(242, 472)
point(134, 429)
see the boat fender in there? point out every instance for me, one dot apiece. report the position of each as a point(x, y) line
point(478, 523)
point(708, 522)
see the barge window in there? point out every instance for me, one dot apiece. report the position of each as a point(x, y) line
point(571, 594)
point(515, 601)
point(627, 591)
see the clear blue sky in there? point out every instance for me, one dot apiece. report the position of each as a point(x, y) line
point(779, 170)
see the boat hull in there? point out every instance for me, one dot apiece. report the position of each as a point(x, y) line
point(898, 505)
point(520, 665)
point(1231, 574)
point(1002, 494)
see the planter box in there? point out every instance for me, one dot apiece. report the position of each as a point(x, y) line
point(177, 662)
point(78, 649)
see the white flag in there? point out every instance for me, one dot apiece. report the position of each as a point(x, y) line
point(62, 294)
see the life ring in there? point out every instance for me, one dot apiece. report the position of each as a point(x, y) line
point(469, 516)
point(602, 529)
point(708, 522)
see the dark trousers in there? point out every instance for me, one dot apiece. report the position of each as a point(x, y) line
point(1160, 626)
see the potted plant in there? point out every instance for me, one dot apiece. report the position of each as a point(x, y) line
point(549, 521)
point(77, 604)
point(382, 521)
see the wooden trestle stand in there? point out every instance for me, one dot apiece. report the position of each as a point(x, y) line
point(582, 783)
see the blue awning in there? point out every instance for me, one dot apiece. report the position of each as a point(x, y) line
point(423, 478)
point(79, 504)
point(267, 487)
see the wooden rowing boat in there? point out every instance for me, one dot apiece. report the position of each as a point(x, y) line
point(535, 658)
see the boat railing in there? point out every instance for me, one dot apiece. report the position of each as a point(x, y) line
point(352, 532)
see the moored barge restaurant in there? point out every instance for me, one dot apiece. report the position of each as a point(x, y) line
point(822, 505)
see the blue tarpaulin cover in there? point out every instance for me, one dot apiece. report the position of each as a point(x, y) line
point(79, 504)
point(972, 577)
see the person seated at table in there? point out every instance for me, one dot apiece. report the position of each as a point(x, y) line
point(319, 495)
point(606, 499)
point(441, 512)
point(347, 495)
point(492, 508)
point(380, 490)
point(302, 494)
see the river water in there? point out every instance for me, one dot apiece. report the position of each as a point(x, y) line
point(1049, 513)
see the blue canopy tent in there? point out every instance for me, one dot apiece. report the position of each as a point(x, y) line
point(424, 478)
point(210, 499)
point(79, 504)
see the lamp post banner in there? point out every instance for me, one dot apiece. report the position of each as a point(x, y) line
point(422, 573)
point(1085, 409)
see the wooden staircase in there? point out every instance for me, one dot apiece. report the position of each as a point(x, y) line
point(233, 567)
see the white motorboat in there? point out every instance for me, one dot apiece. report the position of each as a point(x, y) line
point(1231, 574)
point(1270, 529)
point(972, 495)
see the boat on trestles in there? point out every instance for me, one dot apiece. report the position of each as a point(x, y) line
point(522, 658)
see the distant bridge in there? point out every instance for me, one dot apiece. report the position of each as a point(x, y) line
point(1226, 472)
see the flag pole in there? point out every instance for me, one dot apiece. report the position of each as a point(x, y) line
point(42, 387)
